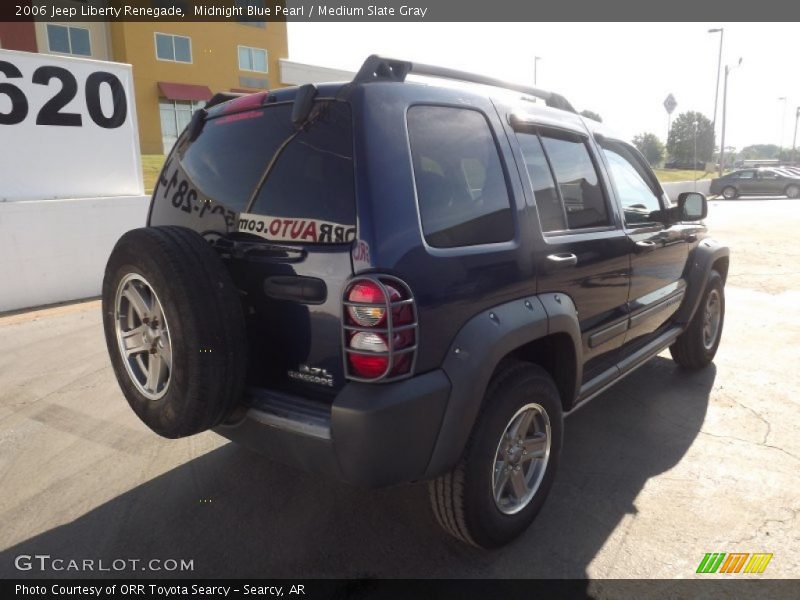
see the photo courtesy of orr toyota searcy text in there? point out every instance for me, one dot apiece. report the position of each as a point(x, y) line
point(160, 591)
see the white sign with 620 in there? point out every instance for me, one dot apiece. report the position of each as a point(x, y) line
point(67, 128)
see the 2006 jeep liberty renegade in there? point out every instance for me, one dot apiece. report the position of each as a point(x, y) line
point(388, 281)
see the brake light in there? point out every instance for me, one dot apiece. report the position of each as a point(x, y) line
point(380, 329)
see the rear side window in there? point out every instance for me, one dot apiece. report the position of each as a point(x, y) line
point(461, 186)
point(551, 212)
point(578, 182)
point(311, 178)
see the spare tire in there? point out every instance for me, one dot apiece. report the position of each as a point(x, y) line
point(174, 328)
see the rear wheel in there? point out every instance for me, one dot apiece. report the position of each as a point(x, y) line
point(793, 191)
point(696, 346)
point(174, 329)
point(508, 466)
point(729, 193)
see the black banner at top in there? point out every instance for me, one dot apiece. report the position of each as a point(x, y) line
point(397, 10)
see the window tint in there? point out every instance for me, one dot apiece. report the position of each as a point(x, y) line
point(551, 212)
point(58, 38)
point(632, 182)
point(577, 179)
point(768, 175)
point(312, 177)
point(68, 40)
point(744, 175)
point(79, 41)
point(463, 199)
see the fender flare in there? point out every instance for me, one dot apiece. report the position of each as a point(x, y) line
point(703, 257)
point(477, 350)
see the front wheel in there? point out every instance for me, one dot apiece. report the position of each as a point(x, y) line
point(729, 193)
point(696, 346)
point(508, 466)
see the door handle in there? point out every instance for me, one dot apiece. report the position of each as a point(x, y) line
point(645, 246)
point(561, 260)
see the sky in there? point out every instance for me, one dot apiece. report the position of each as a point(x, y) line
point(623, 71)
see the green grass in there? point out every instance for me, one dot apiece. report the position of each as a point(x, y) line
point(152, 163)
point(151, 167)
point(667, 175)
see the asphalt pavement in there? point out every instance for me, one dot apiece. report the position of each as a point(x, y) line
point(657, 471)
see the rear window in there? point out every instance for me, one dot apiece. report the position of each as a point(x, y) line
point(461, 187)
point(311, 180)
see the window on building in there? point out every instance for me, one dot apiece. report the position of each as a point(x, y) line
point(633, 183)
point(176, 48)
point(578, 182)
point(461, 185)
point(69, 40)
point(252, 59)
point(175, 116)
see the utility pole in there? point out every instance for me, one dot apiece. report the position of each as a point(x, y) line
point(721, 31)
point(783, 124)
point(794, 139)
point(694, 165)
point(728, 69)
point(536, 60)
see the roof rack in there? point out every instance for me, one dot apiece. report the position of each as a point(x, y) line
point(378, 68)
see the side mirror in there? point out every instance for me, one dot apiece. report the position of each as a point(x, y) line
point(692, 206)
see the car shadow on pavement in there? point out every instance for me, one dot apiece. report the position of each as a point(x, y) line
point(237, 514)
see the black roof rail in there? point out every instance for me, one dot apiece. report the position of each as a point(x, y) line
point(378, 68)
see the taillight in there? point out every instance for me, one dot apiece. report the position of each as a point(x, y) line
point(380, 329)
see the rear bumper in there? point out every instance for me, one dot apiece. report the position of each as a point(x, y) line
point(372, 435)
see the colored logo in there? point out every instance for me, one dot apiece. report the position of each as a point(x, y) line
point(734, 562)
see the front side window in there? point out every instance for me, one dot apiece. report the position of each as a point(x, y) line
point(632, 182)
point(577, 178)
point(69, 40)
point(176, 48)
point(461, 185)
point(744, 175)
point(252, 59)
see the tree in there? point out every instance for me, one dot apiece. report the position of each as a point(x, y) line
point(680, 144)
point(759, 152)
point(591, 115)
point(649, 145)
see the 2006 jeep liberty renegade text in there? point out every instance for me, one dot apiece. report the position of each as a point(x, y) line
point(388, 281)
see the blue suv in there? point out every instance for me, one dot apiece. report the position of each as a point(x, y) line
point(387, 281)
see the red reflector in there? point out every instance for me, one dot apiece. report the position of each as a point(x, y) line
point(369, 367)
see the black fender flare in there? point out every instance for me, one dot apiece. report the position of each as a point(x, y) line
point(702, 258)
point(476, 351)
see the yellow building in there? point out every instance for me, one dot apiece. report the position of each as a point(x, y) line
point(176, 66)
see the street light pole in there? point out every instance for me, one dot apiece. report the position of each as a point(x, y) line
point(694, 165)
point(794, 139)
point(536, 60)
point(721, 31)
point(783, 124)
point(728, 69)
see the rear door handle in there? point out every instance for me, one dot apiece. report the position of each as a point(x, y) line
point(645, 246)
point(561, 260)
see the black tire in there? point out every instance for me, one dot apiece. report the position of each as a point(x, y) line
point(792, 191)
point(730, 192)
point(690, 349)
point(463, 500)
point(206, 328)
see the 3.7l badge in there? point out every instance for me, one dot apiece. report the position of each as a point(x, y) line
point(308, 374)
